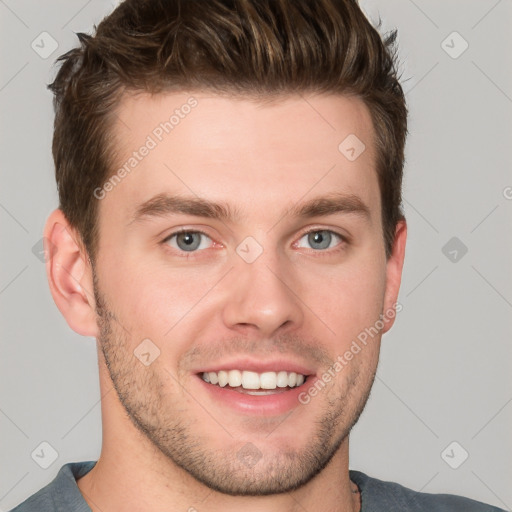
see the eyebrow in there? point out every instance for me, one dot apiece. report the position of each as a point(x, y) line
point(163, 205)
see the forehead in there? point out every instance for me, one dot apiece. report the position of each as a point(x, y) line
point(240, 151)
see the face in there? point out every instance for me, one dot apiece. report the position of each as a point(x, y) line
point(240, 257)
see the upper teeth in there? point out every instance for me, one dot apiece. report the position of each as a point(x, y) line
point(253, 380)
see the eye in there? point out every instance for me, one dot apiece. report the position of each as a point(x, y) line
point(321, 239)
point(188, 241)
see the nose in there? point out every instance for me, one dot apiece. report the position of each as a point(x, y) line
point(261, 297)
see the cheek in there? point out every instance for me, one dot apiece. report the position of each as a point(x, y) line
point(168, 306)
point(350, 299)
point(149, 300)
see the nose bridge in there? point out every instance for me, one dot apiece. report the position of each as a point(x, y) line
point(260, 289)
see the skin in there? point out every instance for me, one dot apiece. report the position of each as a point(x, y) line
point(166, 444)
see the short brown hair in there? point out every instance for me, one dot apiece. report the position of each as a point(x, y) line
point(239, 47)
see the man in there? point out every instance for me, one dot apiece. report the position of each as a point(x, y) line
point(229, 178)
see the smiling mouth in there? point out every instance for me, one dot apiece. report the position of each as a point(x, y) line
point(253, 383)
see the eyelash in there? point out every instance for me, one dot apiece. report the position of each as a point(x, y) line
point(185, 254)
point(344, 240)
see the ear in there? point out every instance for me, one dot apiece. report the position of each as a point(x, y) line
point(394, 267)
point(69, 274)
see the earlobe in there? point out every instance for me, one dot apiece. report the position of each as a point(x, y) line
point(69, 275)
point(394, 268)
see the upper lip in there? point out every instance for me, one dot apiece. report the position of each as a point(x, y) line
point(253, 365)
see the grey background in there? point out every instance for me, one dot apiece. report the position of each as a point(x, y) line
point(445, 367)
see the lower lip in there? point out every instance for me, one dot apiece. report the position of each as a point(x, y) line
point(262, 405)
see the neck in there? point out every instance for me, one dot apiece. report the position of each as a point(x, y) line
point(115, 486)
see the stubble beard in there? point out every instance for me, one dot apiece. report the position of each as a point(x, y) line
point(155, 414)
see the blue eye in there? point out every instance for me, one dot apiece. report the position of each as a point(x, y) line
point(188, 241)
point(322, 239)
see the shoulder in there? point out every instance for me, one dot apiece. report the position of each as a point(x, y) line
point(62, 493)
point(378, 495)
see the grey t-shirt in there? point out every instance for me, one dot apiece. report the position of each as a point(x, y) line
point(63, 495)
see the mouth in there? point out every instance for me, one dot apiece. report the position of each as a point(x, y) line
point(255, 389)
point(254, 383)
